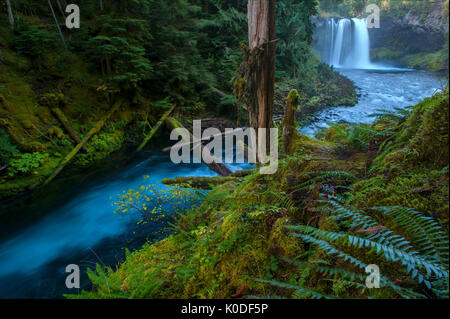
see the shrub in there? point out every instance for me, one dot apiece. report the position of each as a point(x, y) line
point(24, 164)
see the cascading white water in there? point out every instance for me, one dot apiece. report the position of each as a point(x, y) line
point(347, 44)
point(361, 45)
point(336, 54)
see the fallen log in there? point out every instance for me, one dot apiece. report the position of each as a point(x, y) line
point(206, 183)
point(65, 122)
point(169, 148)
point(216, 164)
point(155, 128)
point(239, 143)
point(244, 173)
point(88, 136)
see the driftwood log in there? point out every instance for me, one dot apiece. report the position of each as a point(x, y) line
point(206, 183)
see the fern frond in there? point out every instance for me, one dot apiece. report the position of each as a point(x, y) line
point(327, 176)
point(297, 290)
point(352, 277)
point(427, 235)
point(413, 262)
point(360, 219)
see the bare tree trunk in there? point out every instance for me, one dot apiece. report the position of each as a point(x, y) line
point(60, 8)
point(101, 5)
point(10, 14)
point(57, 25)
point(261, 33)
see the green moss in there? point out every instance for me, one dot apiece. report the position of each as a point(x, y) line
point(293, 97)
point(421, 140)
point(385, 54)
point(436, 62)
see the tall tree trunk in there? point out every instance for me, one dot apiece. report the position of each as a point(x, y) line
point(10, 14)
point(57, 25)
point(60, 8)
point(101, 5)
point(261, 33)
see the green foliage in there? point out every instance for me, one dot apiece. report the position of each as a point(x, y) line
point(294, 34)
point(394, 117)
point(422, 137)
point(7, 149)
point(24, 164)
point(142, 284)
point(118, 48)
point(357, 136)
point(31, 41)
point(338, 177)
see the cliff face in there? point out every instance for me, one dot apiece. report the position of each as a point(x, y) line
point(436, 21)
point(412, 33)
point(415, 39)
point(407, 36)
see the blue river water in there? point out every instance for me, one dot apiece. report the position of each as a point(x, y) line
point(80, 227)
point(383, 88)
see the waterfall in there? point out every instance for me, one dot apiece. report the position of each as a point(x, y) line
point(346, 44)
point(361, 45)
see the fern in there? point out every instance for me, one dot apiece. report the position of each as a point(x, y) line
point(297, 290)
point(391, 116)
point(357, 135)
point(107, 286)
point(426, 233)
point(423, 256)
point(393, 252)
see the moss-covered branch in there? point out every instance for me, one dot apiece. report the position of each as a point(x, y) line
point(155, 128)
point(91, 133)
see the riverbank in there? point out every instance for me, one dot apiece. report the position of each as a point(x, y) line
point(275, 236)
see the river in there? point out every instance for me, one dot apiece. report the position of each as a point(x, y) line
point(380, 89)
